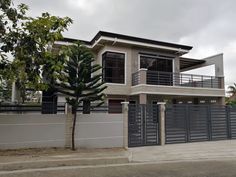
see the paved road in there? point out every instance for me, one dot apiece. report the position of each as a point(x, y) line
point(175, 169)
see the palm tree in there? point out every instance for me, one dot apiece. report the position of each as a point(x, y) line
point(232, 89)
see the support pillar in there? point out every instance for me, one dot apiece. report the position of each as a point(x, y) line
point(143, 75)
point(142, 98)
point(221, 100)
point(162, 123)
point(125, 108)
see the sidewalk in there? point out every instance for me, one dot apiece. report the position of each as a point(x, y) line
point(200, 151)
point(45, 158)
point(53, 158)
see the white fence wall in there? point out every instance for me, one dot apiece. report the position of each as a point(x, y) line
point(99, 130)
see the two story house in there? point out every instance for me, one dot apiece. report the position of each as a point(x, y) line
point(144, 71)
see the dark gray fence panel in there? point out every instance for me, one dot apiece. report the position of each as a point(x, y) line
point(219, 124)
point(191, 123)
point(175, 122)
point(232, 122)
point(135, 128)
point(143, 125)
point(151, 125)
point(198, 123)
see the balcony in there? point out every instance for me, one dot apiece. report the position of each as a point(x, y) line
point(147, 77)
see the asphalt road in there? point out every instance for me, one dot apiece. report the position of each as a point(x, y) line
point(176, 169)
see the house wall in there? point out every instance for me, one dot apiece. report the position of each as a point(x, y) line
point(131, 66)
point(175, 90)
point(100, 130)
point(118, 89)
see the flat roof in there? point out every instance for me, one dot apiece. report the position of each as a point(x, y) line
point(130, 38)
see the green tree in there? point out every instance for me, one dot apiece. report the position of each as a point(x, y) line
point(80, 80)
point(30, 40)
point(232, 89)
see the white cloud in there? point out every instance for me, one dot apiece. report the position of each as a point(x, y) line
point(87, 6)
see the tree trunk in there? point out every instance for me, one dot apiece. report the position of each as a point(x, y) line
point(73, 132)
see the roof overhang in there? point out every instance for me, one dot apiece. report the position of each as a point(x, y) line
point(186, 63)
point(102, 38)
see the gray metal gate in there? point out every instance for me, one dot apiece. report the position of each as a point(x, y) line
point(191, 123)
point(143, 129)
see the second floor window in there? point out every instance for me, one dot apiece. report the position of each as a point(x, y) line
point(155, 63)
point(113, 65)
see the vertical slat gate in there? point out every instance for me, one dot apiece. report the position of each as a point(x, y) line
point(143, 127)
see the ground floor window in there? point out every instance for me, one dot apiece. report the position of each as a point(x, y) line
point(115, 106)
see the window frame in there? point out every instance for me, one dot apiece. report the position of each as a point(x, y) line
point(125, 67)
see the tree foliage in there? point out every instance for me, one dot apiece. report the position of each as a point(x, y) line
point(29, 41)
point(232, 89)
point(80, 80)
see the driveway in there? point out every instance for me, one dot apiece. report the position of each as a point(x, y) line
point(209, 150)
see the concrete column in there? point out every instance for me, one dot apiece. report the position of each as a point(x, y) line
point(142, 98)
point(68, 124)
point(143, 76)
point(162, 123)
point(222, 82)
point(221, 101)
point(125, 109)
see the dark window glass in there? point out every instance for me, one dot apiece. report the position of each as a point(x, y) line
point(113, 67)
point(156, 64)
point(114, 106)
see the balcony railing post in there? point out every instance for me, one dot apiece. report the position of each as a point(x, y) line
point(202, 80)
point(192, 80)
point(143, 75)
point(211, 82)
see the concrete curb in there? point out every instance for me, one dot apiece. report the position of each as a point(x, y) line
point(21, 165)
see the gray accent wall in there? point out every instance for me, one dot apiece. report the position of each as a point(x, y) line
point(100, 130)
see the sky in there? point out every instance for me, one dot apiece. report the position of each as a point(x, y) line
point(207, 25)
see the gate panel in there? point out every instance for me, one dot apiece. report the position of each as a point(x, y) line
point(219, 124)
point(143, 125)
point(232, 122)
point(175, 123)
point(151, 126)
point(135, 135)
point(198, 123)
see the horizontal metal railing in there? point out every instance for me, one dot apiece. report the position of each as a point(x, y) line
point(179, 79)
point(54, 108)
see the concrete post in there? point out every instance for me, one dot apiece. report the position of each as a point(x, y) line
point(143, 76)
point(222, 82)
point(142, 98)
point(125, 109)
point(68, 124)
point(162, 123)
